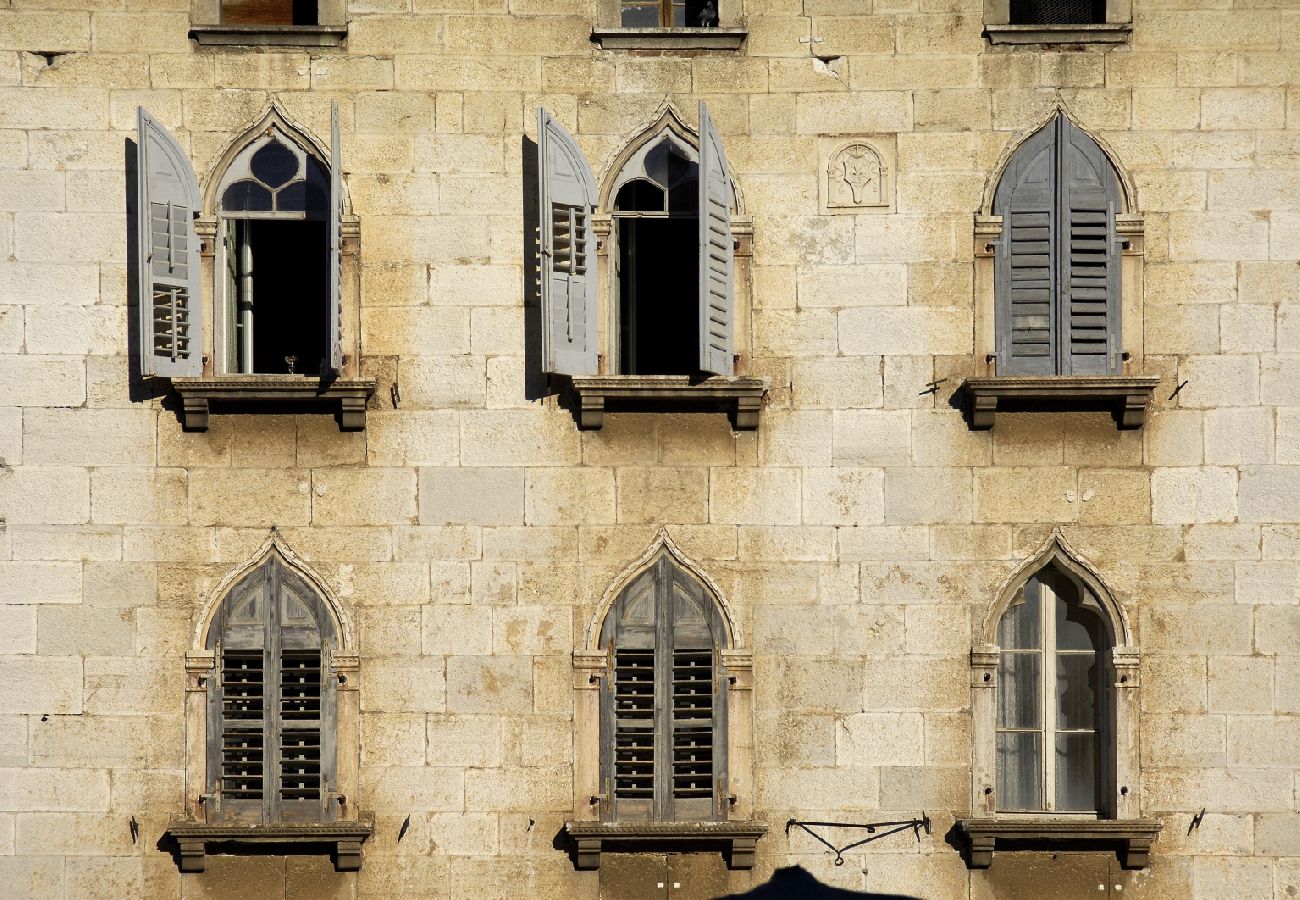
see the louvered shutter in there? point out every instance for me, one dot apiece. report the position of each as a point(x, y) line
point(1089, 265)
point(271, 718)
point(663, 716)
point(334, 327)
point(567, 261)
point(170, 314)
point(716, 313)
point(1024, 266)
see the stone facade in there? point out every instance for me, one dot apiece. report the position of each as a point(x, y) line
point(470, 532)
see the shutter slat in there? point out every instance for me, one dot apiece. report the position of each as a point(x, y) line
point(634, 705)
point(692, 699)
point(243, 750)
point(300, 734)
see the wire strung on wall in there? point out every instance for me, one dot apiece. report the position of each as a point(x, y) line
point(914, 825)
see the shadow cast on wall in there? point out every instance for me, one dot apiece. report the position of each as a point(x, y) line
point(797, 883)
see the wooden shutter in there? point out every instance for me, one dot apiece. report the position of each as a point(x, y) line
point(663, 726)
point(715, 301)
point(334, 325)
point(1025, 269)
point(1089, 265)
point(271, 712)
point(170, 314)
point(567, 258)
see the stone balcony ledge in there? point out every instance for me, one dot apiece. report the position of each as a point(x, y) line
point(1134, 837)
point(1126, 396)
point(741, 395)
point(739, 838)
point(192, 840)
point(271, 393)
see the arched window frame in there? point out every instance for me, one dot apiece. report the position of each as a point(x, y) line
point(340, 822)
point(1127, 391)
point(201, 376)
point(592, 826)
point(580, 340)
point(1120, 820)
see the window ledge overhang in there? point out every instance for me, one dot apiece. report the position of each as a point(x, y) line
point(1104, 33)
point(669, 38)
point(192, 839)
point(269, 35)
point(740, 838)
point(1126, 396)
point(295, 392)
point(1135, 836)
point(741, 395)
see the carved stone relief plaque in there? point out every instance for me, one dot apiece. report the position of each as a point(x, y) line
point(857, 174)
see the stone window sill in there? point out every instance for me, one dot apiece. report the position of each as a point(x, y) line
point(669, 38)
point(1106, 33)
point(192, 840)
point(1134, 837)
point(739, 839)
point(741, 396)
point(269, 35)
point(1125, 396)
point(273, 393)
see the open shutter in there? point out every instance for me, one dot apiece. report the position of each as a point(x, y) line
point(716, 312)
point(567, 258)
point(1025, 271)
point(334, 327)
point(1089, 267)
point(170, 300)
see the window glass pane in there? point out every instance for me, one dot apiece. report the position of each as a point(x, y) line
point(640, 15)
point(1057, 12)
point(685, 197)
point(246, 196)
point(701, 13)
point(1076, 690)
point(1019, 628)
point(1076, 771)
point(1019, 771)
point(302, 196)
point(1077, 628)
point(639, 195)
point(274, 164)
point(1019, 690)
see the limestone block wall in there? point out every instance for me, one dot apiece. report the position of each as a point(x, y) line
point(859, 535)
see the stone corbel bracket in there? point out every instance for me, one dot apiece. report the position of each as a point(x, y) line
point(1135, 836)
point(1127, 396)
point(739, 839)
point(192, 840)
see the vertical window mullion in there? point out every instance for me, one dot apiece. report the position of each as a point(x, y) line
point(1048, 605)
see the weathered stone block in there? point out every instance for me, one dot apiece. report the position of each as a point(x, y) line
point(489, 684)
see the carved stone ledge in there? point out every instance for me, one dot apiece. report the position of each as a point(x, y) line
point(269, 35)
point(1126, 396)
point(192, 840)
point(740, 395)
point(1134, 836)
point(294, 393)
point(669, 38)
point(740, 839)
point(1104, 33)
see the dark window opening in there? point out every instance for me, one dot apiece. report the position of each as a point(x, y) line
point(658, 296)
point(670, 13)
point(278, 280)
point(1058, 12)
point(268, 12)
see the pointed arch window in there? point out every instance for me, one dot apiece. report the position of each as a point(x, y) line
point(664, 707)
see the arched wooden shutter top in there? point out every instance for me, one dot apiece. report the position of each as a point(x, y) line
point(170, 311)
point(663, 727)
point(1058, 262)
point(567, 255)
point(271, 708)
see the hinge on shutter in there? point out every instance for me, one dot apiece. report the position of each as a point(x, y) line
point(211, 801)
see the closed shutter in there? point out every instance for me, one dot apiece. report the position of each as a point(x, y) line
point(271, 755)
point(170, 315)
point(567, 261)
point(334, 325)
point(1025, 268)
point(663, 722)
point(1090, 257)
point(716, 309)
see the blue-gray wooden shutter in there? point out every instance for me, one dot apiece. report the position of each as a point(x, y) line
point(272, 705)
point(567, 261)
point(1089, 267)
point(663, 709)
point(1025, 270)
point(716, 312)
point(334, 327)
point(170, 312)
